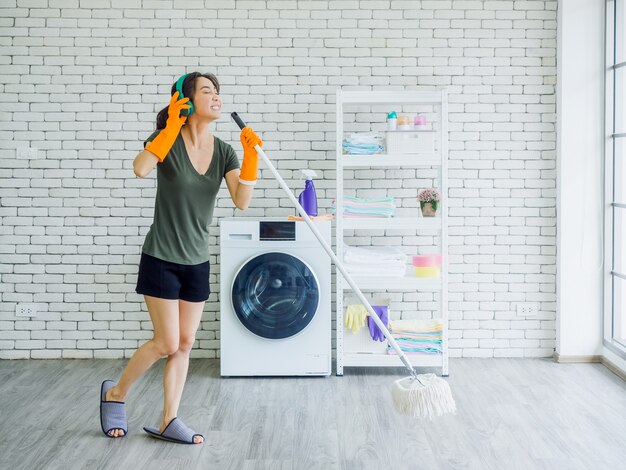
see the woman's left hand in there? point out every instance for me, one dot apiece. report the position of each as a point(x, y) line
point(249, 138)
point(250, 165)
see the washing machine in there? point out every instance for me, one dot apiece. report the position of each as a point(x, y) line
point(274, 298)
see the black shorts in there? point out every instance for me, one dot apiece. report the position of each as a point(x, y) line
point(167, 280)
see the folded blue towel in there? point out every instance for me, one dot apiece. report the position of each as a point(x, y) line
point(361, 148)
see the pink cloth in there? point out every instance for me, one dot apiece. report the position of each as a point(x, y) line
point(424, 261)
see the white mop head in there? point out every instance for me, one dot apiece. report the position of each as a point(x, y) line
point(430, 398)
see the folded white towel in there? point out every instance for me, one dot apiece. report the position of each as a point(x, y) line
point(369, 138)
point(398, 271)
point(376, 254)
point(373, 262)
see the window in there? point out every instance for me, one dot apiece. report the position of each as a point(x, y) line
point(615, 177)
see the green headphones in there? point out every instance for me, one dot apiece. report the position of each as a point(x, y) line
point(179, 89)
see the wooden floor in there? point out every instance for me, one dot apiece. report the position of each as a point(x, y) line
point(512, 414)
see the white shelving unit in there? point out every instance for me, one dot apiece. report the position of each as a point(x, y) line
point(377, 356)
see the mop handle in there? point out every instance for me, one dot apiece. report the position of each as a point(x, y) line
point(330, 252)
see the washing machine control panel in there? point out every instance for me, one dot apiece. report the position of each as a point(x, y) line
point(272, 230)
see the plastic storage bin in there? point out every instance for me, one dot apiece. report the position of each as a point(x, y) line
point(410, 141)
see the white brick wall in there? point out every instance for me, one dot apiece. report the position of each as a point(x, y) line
point(82, 80)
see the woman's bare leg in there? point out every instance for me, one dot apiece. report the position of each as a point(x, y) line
point(178, 363)
point(164, 315)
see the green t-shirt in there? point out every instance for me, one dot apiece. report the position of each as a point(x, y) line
point(184, 204)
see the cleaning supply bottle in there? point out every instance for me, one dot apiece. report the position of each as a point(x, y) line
point(308, 198)
point(392, 120)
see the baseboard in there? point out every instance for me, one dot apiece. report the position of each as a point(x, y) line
point(613, 368)
point(589, 359)
point(572, 359)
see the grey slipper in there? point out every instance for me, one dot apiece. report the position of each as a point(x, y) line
point(112, 413)
point(175, 431)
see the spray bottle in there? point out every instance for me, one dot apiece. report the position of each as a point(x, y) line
point(308, 198)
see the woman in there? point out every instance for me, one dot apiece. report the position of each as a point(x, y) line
point(174, 267)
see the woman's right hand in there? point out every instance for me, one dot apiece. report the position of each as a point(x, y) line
point(162, 143)
point(173, 111)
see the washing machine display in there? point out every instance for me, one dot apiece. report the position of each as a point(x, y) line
point(275, 295)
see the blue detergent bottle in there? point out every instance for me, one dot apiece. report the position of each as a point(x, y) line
point(308, 198)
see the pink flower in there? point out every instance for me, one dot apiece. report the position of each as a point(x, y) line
point(428, 195)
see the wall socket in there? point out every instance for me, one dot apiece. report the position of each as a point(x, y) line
point(527, 309)
point(26, 310)
point(27, 153)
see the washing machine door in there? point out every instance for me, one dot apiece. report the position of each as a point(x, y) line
point(275, 295)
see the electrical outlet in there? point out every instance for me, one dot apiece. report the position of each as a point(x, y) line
point(29, 153)
point(26, 310)
point(22, 152)
point(527, 309)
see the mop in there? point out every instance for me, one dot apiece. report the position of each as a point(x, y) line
point(423, 395)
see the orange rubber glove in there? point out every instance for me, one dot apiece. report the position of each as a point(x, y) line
point(250, 165)
point(162, 143)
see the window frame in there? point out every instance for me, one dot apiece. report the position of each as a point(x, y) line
point(612, 23)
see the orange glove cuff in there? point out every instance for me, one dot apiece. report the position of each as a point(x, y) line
point(249, 167)
point(162, 143)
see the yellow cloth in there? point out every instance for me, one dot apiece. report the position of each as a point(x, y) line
point(422, 326)
point(315, 217)
point(427, 271)
point(355, 317)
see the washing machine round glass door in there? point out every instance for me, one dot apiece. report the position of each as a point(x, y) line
point(275, 295)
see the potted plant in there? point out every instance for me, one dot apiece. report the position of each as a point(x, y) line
point(429, 200)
